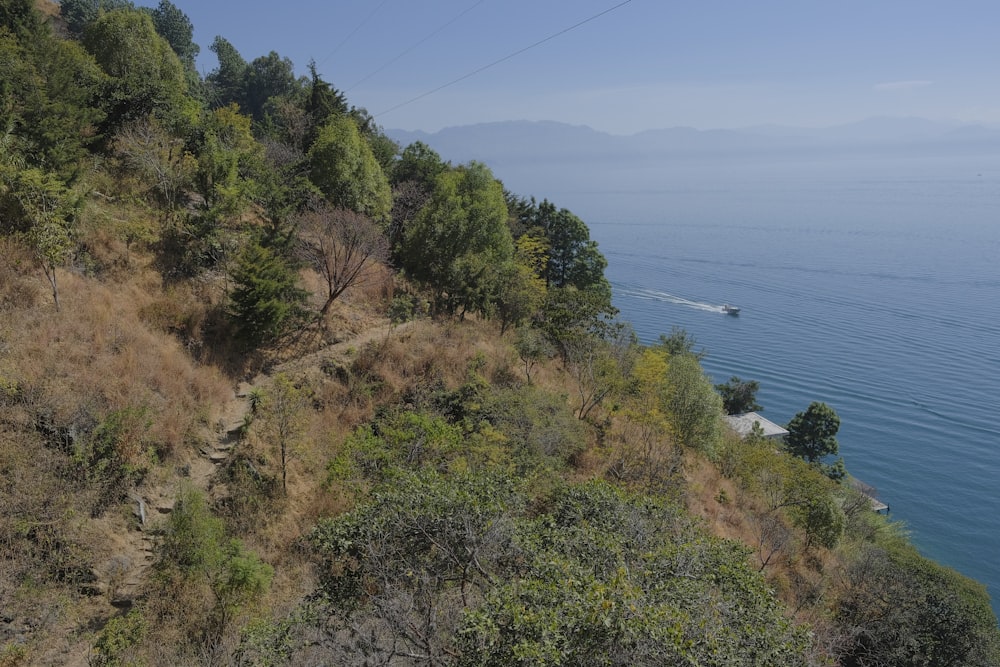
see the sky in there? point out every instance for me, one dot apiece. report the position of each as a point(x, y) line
point(635, 65)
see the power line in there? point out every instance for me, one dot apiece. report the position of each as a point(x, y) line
point(410, 49)
point(504, 59)
point(353, 32)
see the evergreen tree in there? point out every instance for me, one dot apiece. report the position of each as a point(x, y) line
point(266, 300)
point(812, 436)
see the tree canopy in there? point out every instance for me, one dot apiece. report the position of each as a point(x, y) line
point(812, 436)
point(344, 168)
point(145, 75)
point(458, 236)
point(739, 396)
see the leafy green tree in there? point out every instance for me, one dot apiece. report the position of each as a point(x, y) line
point(195, 546)
point(644, 452)
point(384, 148)
point(604, 578)
point(573, 257)
point(324, 101)
point(413, 177)
point(43, 210)
point(22, 19)
point(458, 235)
point(679, 342)
point(48, 94)
point(229, 160)
point(570, 316)
point(405, 564)
point(812, 436)
point(600, 366)
point(344, 168)
point(693, 409)
point(79, 13)
point(266, 299)
point(174, 26)
point(64, 127)
point(898, 608)
point(739, 396)
point(532, 347)
point(227, 83)
point(419, 163)
point(145, 75)
point(267, 77)
point(519, 294)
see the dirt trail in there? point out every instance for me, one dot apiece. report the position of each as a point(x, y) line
point(132, 553)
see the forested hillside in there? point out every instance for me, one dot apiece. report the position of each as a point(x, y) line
point(277, 390)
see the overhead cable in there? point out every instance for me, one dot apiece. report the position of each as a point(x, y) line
point(353, 32)
point(504, 59)
point(410, 49)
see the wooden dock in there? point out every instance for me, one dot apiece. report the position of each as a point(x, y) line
point(871, 493)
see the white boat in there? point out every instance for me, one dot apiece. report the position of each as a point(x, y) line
point(731, 310)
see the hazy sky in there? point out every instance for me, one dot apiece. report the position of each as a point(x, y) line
point(646, 64)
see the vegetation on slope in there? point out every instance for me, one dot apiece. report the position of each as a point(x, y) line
point(443, 447)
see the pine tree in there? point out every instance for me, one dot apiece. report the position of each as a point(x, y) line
point(266, 299)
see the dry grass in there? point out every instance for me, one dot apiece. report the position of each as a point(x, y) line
point(96, 356)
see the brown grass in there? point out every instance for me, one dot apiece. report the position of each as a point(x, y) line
point(96, 356)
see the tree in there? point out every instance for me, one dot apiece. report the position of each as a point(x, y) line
point(458, 236)
point(229, 159)
point(344, 168)
point(569, 315)
point(266, 298)
point(145, 74)
point(739, 396)
point(898, 608)
point(281, 408)
point(340, 245)
point(39, 206)
point(518, 295)
point(419, 163)
point(532, 346)
point(23, 19)
point(644, 452)
point(405, 565)
point(227, 82)
point(324, 100)
point(572, 258)
point(679, 342)
point(174, 26)
point(79, 13)
point(159, 158)
point(812, 434)
point(49, 90)
point(600, 366)
point(455, 570)
point(692, 407)
point(267, 77)
point(195, 547)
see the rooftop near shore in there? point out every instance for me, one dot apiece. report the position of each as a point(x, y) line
point(743, 424)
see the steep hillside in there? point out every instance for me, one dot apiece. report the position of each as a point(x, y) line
point(275, 390)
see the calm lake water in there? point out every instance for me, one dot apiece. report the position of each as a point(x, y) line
point(870, 283)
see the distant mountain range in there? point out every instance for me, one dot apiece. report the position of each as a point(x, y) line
point(514, 141)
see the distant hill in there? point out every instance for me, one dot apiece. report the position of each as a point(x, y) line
point(511, 142)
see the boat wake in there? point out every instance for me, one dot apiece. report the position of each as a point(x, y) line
point(655, 295)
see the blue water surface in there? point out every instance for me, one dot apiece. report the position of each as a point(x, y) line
point(870, 284)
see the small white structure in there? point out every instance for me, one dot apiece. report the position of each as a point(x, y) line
point(743, 425)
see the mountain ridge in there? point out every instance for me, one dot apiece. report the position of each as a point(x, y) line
point(523, 139)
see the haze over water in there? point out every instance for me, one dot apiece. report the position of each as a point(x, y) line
point(870, 284)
